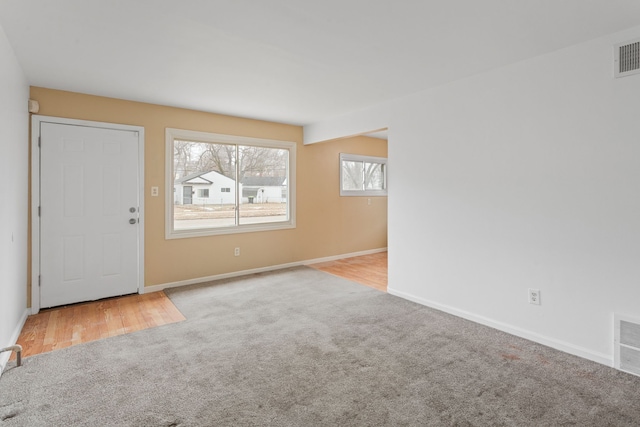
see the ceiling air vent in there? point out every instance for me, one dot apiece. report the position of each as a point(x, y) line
point(627, 344)
point(627, 58)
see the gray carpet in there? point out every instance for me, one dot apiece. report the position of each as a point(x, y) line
point(299, 347)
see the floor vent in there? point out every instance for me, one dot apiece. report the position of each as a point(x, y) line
point(627, 58)
point(627, 344)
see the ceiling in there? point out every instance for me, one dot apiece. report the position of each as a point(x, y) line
point(291, 61)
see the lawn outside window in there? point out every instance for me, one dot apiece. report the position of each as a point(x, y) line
point(362, 175)
point(223, 184)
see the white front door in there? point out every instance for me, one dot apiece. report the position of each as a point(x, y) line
point(88, 213)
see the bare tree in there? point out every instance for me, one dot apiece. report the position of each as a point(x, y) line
point(220, 158)
point(182, 158)
point(261, 161)
point(357, 175)
point(191, 157)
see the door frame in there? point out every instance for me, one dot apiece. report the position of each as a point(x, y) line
point(36, 121)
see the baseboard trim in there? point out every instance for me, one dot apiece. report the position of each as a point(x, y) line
point(343, 256)
point(4, 357)
point(156, 288)
point(504, 327)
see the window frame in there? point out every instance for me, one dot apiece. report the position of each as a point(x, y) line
point(172, 134)
point(346, 157)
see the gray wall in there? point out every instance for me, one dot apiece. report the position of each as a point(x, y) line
point(14, 128)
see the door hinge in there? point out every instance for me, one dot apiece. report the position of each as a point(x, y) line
point(39, 211)
point(39, 281)
point(39, 141)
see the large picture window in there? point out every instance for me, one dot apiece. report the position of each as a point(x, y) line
point(362, 175)
point(220, 184)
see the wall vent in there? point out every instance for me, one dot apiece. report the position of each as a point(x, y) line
point(627, 344)
point(627, 58)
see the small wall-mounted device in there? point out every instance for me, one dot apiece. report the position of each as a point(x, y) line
point(34, 106)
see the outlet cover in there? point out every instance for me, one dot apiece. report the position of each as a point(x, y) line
point(534, 296)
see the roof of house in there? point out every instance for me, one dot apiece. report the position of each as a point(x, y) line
point(190, 177)
point(263, 181)
point(251, 181)
point(197, 178)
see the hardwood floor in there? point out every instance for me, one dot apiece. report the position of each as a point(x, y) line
point(60, 327)
point(369, 270)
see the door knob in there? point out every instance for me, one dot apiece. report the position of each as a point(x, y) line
point(133, 221)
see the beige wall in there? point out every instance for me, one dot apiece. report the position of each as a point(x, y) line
point(327, 224)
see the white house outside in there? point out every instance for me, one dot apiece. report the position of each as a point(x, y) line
point(264, 189)
point(205, 188)
point(213, 188)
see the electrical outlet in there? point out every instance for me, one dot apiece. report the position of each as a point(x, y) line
point(236, 252)
point(369, 202)
point(534, 296)
point(154, 191)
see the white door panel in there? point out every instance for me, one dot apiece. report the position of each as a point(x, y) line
point(88, 187)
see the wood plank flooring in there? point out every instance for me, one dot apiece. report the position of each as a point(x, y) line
point(61, 327)
point(369, 270)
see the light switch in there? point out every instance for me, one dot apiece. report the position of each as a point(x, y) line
point(154, 191)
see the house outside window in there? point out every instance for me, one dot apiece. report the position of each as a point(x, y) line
point(213, 180)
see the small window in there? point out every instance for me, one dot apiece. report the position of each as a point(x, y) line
point(256, 178)
point(363, 175)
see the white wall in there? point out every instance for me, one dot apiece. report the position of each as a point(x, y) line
point(371, 119)
point(14, 125)
point(527, 176)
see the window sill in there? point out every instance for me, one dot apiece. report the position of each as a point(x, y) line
point(248, 228)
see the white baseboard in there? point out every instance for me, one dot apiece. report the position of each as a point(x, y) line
point(4, 357)
point(522, 333)
point(156, 288)
point(343, 256)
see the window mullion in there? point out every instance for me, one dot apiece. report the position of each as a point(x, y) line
point(237, 176)
point(384, 176)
